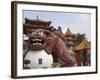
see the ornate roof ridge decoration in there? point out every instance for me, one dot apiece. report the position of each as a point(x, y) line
point(69, 33)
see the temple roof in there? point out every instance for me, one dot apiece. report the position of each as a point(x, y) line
point(37, 21)
point(28, 26)
point(68, 33)
point(83, 45)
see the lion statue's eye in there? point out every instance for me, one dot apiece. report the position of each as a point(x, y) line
point(34, 33)
point(41, 33)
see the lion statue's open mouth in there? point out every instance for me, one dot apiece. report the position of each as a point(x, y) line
point(37, 41)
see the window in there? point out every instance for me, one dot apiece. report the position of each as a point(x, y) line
point(40, 60)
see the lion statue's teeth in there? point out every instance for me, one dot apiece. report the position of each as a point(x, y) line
point(37, 39)
point(36, 43)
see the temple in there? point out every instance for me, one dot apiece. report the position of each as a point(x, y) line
point(69, 39)
point(83, 53)
point(34, 24)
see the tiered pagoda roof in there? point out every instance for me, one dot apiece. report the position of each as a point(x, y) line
point(83, 45)
point(36, 23)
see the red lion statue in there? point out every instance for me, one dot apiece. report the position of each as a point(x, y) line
point(53, 42)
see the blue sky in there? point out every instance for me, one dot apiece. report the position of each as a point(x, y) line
point(77, 22)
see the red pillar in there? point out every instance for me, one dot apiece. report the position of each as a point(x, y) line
point(85, 57)
point(78, 58)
